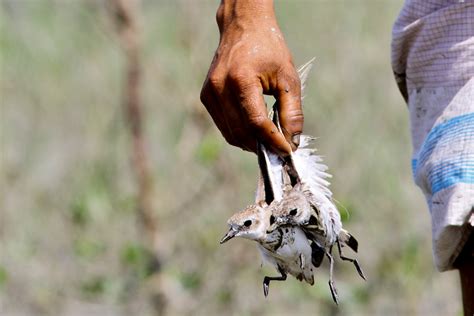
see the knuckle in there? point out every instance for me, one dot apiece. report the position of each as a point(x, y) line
point(240, 76)
point(290, 76)
point(294, 114)
point(294, 82)
point(295, 124)
point(256, 121)
point(215, 82)
point(292, 120)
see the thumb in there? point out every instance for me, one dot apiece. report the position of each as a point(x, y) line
point(289, 107)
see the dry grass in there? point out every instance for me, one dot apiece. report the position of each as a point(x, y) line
point(68, 232)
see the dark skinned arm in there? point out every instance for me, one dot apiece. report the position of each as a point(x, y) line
point(252, 59)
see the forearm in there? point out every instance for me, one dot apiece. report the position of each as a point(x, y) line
point(252, 58)
point(247, 10)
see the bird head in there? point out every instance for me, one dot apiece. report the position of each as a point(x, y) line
point(249, 223)
point(294, 209)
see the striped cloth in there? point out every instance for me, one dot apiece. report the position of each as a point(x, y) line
point(433, 63)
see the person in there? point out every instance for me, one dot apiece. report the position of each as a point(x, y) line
point(433, 63)
point(252, 58)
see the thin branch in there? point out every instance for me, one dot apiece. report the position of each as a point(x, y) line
point(125, 16)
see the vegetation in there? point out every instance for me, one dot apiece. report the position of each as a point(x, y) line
point(71, 242)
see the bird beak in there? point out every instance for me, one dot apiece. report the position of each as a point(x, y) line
point(230, 234)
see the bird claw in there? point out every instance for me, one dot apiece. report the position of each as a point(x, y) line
point(266, 288)
point(333, 292)
point(359, 269)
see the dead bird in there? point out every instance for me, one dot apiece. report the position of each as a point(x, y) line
point(285, 248)
point(309, 205)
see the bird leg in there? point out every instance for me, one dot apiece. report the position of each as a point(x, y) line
point(267, 279)
point(354, 261)
point(331, 283)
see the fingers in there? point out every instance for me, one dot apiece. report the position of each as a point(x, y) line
point(289, 106)
point(211, 102)
point(236, 123)
point(241, 115)
point(256, 117)
point(225, 112)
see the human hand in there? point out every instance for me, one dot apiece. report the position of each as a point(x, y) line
point(252, 58)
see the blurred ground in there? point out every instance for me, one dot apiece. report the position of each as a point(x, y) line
point(70, 243)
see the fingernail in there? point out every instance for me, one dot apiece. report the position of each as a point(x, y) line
point(296, 139)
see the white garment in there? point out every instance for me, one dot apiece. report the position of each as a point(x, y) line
point(433, 63)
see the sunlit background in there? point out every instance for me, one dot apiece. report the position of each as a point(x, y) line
point(71, 242)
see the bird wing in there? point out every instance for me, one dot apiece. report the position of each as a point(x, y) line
point(310, 169)
point(271, 175)
point(271, 181)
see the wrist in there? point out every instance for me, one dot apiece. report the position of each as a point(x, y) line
point(244, 12)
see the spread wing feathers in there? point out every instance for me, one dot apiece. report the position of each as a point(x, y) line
point(303, 73)
point(311, 170)
point(327, 215)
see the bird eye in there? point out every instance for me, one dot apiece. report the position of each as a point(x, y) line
point(293, 212)
point(247, 223)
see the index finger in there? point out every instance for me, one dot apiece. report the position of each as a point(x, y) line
point(255, 114)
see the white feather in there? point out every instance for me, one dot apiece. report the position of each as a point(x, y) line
point(303, 72)
point(276, 173)
point(309, 166)
point(313, 174)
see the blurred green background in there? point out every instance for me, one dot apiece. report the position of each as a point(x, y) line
point(69, 235)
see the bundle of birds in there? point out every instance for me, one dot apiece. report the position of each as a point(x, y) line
point(294, 219)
